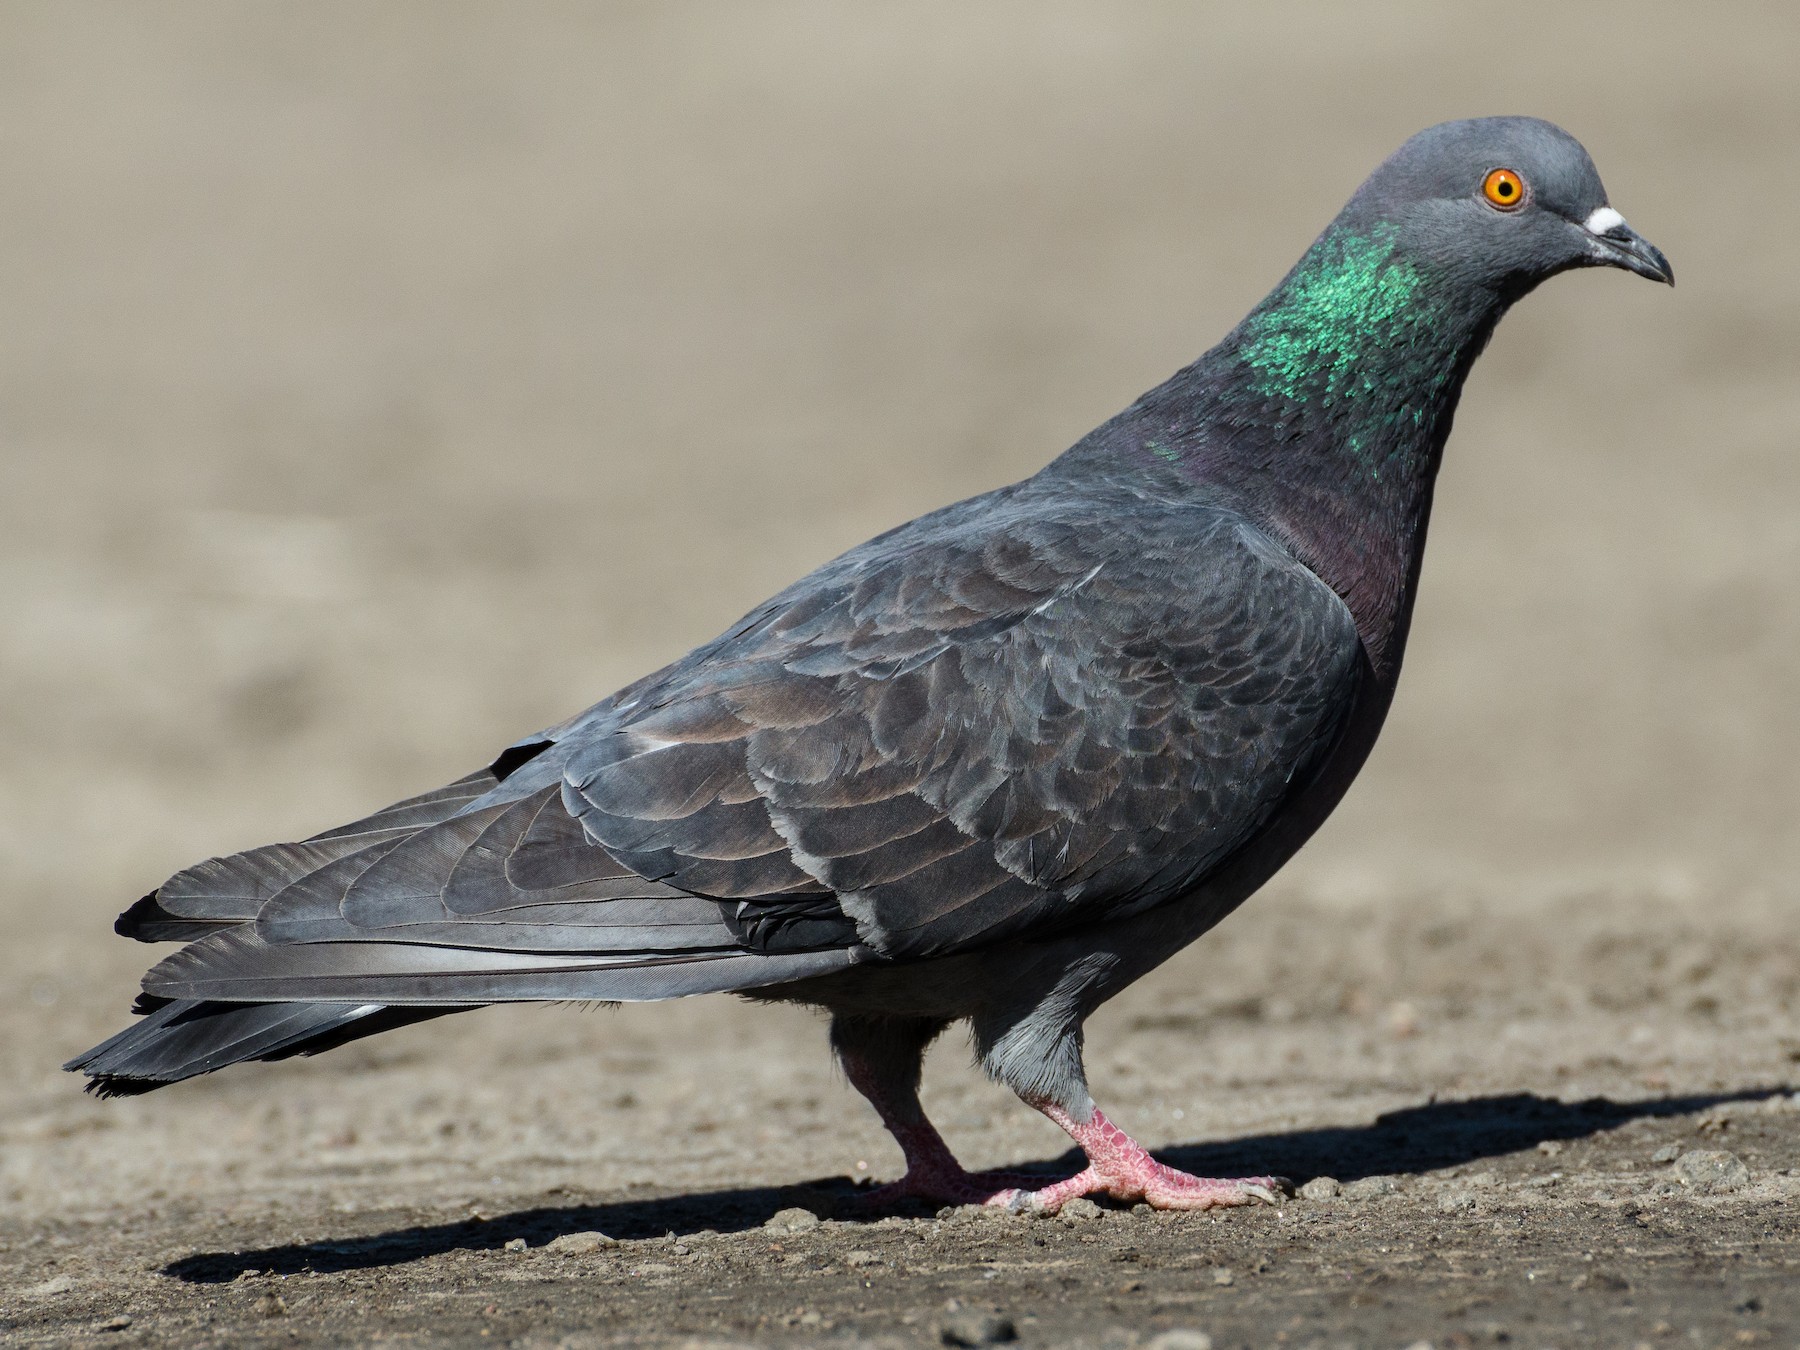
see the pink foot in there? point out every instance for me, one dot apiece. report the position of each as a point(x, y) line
point(1121, 1167)
point(934, 1176)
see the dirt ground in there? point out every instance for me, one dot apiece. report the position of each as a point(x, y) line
point(380, 383)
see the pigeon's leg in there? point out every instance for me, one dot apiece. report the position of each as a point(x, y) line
point(882, 1058)
point(1037, 1053)
point(1123, 1168)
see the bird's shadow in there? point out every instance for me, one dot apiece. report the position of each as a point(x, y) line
point(1414, 1140)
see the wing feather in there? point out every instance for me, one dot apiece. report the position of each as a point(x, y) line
point(990, 731)
point(982, 725)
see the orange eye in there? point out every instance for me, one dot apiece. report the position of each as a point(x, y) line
point(1504, 189)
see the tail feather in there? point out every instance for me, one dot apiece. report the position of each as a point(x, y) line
point(184, 1038)
point(238, 966)
point(483, 891)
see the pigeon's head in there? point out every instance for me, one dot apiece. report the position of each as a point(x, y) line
point(1504, 202)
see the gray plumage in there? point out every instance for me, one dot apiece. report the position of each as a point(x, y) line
point(992, 765)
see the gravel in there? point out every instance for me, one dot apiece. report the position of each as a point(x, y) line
point(977, 1328)
point(579, 1244)
point(792, 1220)
point(1181, 1338)
point(1712, 1171)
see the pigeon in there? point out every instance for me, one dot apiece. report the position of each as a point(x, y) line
point(989, 767)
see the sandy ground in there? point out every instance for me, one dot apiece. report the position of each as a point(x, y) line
point(380, 383)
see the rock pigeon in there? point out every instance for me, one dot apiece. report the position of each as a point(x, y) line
point(988, 767)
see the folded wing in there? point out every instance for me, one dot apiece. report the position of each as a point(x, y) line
point(1007, 719)
point(989, 733)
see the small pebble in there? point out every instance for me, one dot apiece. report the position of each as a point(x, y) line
point(270, 1305)
point(515, 1244)
point(1455, 1202)
point(1668, 1153)
point(792, 1220)
point(1712, 1171)
point(991, 1214)
point(579, 1244)
point(117, 1322)
point(860, 1258)
point(1079, 1210)
point(1182, 1338)
point(60, 1284)
point(1550, 1147)
point(977, 1328)
point(1601, 1279)
point(1222, 1277)
point(1367, 1188)
point(1319, 1188)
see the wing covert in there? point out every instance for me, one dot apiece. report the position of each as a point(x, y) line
point(983, 732)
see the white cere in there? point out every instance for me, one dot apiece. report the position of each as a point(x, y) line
point(1603, 219)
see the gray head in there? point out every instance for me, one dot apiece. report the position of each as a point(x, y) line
point(1505, 202)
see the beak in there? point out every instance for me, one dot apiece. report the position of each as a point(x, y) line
point(1613, 243)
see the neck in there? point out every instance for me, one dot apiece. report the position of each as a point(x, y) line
point(1323, 415)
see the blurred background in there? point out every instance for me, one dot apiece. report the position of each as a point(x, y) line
point(380, 383)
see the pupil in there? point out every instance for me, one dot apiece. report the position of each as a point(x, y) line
point(1506, 188)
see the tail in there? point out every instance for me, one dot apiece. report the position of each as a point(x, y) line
point(177, 1038)
point(183, 1038)
point(482, 891)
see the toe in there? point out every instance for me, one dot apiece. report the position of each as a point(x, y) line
point(1178, 1190)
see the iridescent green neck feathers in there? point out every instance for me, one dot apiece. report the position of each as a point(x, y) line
point(1350, 298)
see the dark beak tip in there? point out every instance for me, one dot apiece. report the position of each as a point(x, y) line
point(1655, 262)
point(1635, 253)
